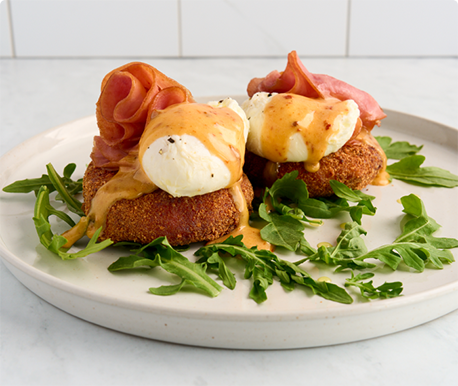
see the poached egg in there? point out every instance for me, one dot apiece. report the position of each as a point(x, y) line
point(191, 149)
point(293, 128)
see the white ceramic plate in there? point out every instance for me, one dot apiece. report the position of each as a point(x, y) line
point(121, 301)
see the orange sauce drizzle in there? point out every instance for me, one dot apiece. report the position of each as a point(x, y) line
point(219, 129)
point(129, 183)
point(382, 178)
point(289, 114)
point(251, 235)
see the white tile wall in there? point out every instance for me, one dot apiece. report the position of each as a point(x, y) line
point(263, 27)
point(6, 49)
point(403, 28)
point(66, 28)
point(174, 28)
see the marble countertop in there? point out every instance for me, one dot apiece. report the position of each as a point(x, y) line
point(42, 345)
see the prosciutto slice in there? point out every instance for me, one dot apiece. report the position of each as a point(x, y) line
point(297, 79)
point(129, 95)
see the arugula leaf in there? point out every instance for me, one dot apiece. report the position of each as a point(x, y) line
point(34, 184)
point(343, 191)
point(282, 230)
point(384, 291)
point(54, 243)
point(215, 262)
point(326, 290)
point(285, 222)
point(416, 245)
point(420, 225)
point(419, 228)
point(348, 248)
point(167, 290)
point(393, 254)
point(409, 170)
point(262, 279)
point(160, 253)
point(44, 208)
point(306, 248)
point(364, 201)
point(324, 208)
point(287, 196)
point(72, 203)
point(397, 150)
point(30, 185)
point(131, 262)
point(263, 266)
point(289, 199)
point(41, 216)
point(329, 207)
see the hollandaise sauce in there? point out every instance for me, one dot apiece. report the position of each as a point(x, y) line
point(220, 130)
point(323, 125)
point(287, 115)
point(382, 178)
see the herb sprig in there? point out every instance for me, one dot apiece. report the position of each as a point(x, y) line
point(262, 266)
point(287, 211)
point(286, 205)
point(66, 190)
point(416, 246)
point(34, 184)
point(160, 253)
point(409, 169)
point(397, 150)
point(367, 289)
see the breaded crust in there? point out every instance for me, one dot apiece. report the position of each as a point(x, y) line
point(356, 165)
point(183, 220)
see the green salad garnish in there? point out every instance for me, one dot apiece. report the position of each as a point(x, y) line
point(285, 212)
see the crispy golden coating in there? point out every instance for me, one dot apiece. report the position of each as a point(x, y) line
point(183, 220)
point(356, 165)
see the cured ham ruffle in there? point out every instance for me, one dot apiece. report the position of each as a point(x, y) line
point(129, 95)
point(296, 79)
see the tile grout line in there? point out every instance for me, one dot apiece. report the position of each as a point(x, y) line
point(180, 30)
point(347, 40)
point(10, 22)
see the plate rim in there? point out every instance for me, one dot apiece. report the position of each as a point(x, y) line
point(439, 300)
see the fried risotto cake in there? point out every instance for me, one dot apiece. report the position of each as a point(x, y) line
point(183, 220)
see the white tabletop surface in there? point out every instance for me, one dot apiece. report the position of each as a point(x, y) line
point(42, 345)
